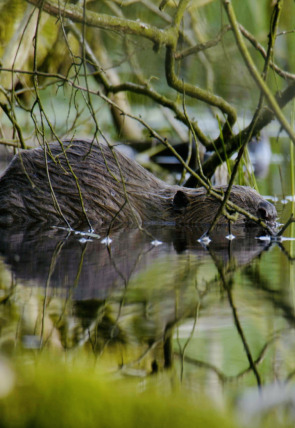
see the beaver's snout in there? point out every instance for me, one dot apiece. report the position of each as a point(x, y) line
point(267, 212)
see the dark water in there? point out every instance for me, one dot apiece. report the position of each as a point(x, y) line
point(211, 308)
point(219, 317)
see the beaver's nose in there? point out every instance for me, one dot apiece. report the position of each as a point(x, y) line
point(266, 211)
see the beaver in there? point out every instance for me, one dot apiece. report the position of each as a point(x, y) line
point(79, 182)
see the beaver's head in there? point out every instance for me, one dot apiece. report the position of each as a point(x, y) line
point(267, 212)
point(197, 206)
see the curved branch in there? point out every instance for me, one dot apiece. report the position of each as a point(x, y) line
point(162, 100)
point(194, 91)
point(104, 21)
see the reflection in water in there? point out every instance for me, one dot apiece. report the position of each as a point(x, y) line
point(91, 270)
point(211, 311)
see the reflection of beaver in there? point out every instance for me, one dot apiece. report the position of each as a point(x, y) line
point(39, 188)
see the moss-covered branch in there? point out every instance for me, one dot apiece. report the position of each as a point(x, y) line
point(107, 22)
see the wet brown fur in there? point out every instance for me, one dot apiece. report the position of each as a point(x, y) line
point(114, 188)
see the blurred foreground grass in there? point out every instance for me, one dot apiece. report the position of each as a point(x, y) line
point(46, 392)
point(50, 393)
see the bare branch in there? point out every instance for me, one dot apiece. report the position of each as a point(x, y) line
point(259, 48)
point(203, 46)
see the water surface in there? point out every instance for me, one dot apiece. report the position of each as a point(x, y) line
point(208, 310)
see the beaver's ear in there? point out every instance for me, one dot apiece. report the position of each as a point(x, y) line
point(180, 201)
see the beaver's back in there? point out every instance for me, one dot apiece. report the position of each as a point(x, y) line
point(40, 186)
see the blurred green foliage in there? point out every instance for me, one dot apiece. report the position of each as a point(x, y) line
point(72, 395)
